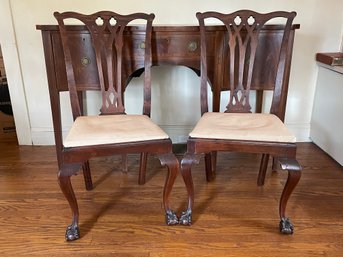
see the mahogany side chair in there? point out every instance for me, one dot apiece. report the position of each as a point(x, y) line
point(113, 131)
point(238, 129)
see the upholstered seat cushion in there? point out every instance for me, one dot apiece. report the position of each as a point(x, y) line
point(110, 129)
point(242, 126)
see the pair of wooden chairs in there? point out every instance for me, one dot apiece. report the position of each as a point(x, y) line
point(115, 132)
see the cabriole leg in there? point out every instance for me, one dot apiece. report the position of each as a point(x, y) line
point(186, 163)
point(72, 232)
point(172, 163)
point(294, 174)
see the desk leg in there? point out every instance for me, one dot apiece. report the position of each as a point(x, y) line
point(216, 101)
point(259, 100)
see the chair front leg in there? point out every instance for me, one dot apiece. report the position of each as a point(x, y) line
point(186, 164)
point(294, 174)
point(172, 163)
point(72, 232)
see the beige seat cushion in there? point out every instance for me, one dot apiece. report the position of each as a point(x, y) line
point(110, 129)
point(242, 126)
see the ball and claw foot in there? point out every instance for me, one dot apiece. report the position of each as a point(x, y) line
point(72, 233)
point(286, 226)
point(171, 218)
point(186, 218)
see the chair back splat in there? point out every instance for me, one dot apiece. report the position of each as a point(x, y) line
point(240, 50)
point(107, 35)
point(238, 129)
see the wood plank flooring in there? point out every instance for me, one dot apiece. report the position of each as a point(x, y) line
point(232, 216)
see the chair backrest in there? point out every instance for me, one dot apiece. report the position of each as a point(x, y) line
point(106, 31)
point(243, 34)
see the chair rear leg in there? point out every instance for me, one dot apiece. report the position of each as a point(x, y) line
point(85, 167)
point(214, 162)
point(263, 169)
point(210, 165)
point(275, 164)
point(142, 168)
point(87, 176)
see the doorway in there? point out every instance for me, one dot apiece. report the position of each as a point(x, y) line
point(7, 125)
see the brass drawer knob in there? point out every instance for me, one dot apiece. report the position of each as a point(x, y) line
point(142, 45)
point(85, 61)
point(192, 46)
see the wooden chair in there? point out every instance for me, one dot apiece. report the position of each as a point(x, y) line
point(237, 129)
point(113, 131)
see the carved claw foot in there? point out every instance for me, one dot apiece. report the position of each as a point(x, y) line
point(171, 218)
point(186, 218)
point(72, 233)
point(286, 226)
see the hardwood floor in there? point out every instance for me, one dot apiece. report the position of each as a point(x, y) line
point(233, 217)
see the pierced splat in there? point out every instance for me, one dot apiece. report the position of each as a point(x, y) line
point(107, 35)
point(106, 31)
point(99, 21)
point(243, 32)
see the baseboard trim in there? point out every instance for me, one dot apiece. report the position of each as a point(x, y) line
point(301, 131)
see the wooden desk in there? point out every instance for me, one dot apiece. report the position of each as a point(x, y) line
point(177, 45)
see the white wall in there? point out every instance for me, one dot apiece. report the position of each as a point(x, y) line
point(327, 118)
point(321, 30)
point(13, 68)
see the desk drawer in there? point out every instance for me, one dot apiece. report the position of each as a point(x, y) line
point(82, 53)
point(181, 48)
point(168, 48)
